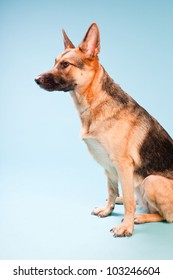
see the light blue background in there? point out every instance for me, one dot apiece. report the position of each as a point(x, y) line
point(48, 182)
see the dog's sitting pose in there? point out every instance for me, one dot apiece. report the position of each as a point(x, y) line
point(123, 137)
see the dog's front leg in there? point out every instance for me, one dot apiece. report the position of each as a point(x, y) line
point(113, 193)
point(125, 172)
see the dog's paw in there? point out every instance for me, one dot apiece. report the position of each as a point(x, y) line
point(119, 200)
point(122, 230)
point(102, 211)
point(139, 219)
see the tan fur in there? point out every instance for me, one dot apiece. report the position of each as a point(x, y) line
point(116, 131)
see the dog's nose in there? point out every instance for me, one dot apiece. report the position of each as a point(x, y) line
point(38, 80)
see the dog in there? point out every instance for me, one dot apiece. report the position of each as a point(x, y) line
point(131, 146)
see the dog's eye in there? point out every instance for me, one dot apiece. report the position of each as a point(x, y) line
point(65, 64)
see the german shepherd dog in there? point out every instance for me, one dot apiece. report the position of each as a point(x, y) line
point(123, 137)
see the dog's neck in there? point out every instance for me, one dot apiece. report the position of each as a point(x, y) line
point(86, 96)
point(94, 99)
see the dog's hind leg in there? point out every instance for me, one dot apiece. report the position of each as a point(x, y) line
point(112, 195)
point(157, 194)
point(148, 218)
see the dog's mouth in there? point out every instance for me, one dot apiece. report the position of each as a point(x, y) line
point(50, 83)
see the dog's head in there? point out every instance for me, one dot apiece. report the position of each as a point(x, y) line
point(75, 67)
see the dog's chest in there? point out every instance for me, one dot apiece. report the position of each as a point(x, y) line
point(99, 153)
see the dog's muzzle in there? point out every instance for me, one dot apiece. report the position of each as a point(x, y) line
point(48, 82)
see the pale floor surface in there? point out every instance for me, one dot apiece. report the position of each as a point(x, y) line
point(47, 216)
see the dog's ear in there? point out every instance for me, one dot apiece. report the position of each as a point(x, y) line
point(67, 42)
point(91, 42)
